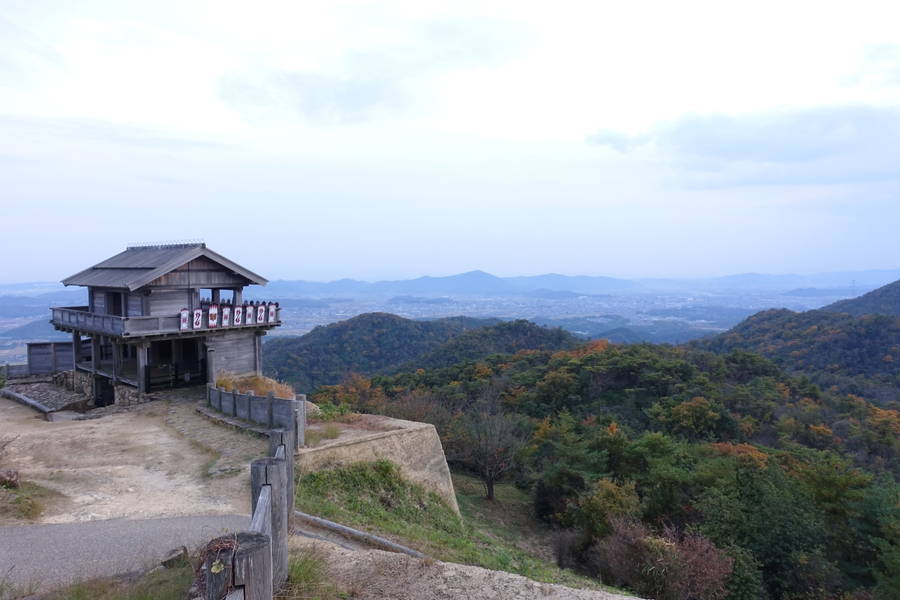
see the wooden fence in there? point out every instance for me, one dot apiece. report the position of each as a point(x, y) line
point(253, 564)
point(269, 411)
point(44, 358)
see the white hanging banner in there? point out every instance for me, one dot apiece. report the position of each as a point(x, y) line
point(261, 313)
point(213, 316)
point(198, 318)
point(185, 319)
point(238, 315)
point(272, 315)
point(248, 314)
point(226, 316)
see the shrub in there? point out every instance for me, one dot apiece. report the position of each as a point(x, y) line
point(668, 566)
point(606, 501)
point(259, 385)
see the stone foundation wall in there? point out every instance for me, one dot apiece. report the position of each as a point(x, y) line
point(75, 381)
point(414, 447)
point(129, 396)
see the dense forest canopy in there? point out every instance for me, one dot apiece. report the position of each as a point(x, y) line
point(738, 478)
point(859, 355)
point(379, 342)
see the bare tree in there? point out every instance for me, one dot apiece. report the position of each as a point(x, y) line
point(488, 441)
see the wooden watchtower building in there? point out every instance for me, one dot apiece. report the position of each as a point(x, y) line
point(164, 316)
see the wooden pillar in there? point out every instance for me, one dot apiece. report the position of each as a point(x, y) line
point(95, 352)
point(117, 360)
point(76, 349)
point(257, 351)
point(215, 295)
point(143, 366)
point(238, 296)
point(210, 365)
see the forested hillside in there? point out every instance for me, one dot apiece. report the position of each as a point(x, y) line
point(859, 355)
point(883, 301)
point(364, 344)
point(676, 472)
point(381, 343)
point(503, 338)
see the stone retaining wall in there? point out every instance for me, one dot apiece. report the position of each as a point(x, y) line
point(414, 447)
point(129, 396)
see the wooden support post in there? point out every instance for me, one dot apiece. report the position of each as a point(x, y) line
point(211, 364)
point(215, 295)
point(257, 351)
point(238, 294)
point(76, 349)
point(272, 472)
point(95, 352)
point(117, 361)
point(143, 367)
point(253, 565)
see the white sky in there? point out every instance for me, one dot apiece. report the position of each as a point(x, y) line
point(393, 139)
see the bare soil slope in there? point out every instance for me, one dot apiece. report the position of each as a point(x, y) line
point(378, 575)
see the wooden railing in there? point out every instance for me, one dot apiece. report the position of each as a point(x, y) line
point(81, 319)
point(253, 564)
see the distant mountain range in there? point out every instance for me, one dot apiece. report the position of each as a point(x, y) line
point(479, 283)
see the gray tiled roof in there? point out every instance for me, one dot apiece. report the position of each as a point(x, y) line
point(139, 265)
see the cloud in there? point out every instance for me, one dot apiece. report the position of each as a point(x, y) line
point(382, 81)
point(95, 130)
point(830, 145)
point(22, 53)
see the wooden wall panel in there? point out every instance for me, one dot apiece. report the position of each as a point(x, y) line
point(169, 302)
point(135, 305)
point(235, 351)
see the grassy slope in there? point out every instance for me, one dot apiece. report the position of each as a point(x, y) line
point(373, 497)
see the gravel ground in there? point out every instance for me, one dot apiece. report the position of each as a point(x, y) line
point(378, 575)
point(52, 396)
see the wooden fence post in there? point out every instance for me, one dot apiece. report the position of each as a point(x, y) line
point(273, 472)
point(280, 437)
point(218, 567)
point(253, 565)
point(300, 422)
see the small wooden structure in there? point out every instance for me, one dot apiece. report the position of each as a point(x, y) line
point(165, 316)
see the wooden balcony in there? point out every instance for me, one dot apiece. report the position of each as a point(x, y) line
point(78, 318)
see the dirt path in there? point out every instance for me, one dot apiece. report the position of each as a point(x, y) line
point(133, 464)
point(377, 575)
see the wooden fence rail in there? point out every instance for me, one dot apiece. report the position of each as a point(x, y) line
point(275, 413)
point(252, 564)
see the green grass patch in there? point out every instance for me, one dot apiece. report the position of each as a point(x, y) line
point(308, 577)
point(165, 584)
point(375, 497)
point(26, 502)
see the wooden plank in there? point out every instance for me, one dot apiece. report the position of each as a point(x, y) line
point(253, 565)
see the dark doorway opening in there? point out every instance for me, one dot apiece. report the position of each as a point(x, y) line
point(104, 392)
point(177, 362)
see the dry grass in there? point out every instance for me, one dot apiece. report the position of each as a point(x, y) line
point(308, 577)
point(25, 503)
point(259, 385)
